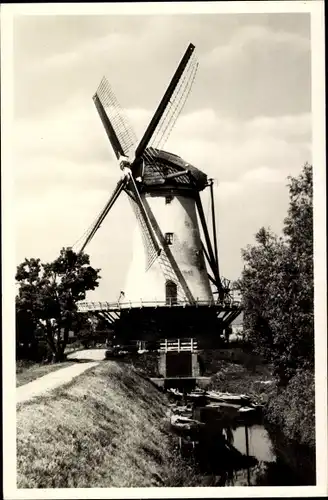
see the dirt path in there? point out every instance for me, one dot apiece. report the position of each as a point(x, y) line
point(55, 379)
point(88, 354)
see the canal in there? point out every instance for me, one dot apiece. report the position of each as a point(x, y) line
point(242, 452)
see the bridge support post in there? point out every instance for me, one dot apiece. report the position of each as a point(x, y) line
point(195, 369)
point(162, 364)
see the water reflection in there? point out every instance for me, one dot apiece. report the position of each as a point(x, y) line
point(214, 450)
point(260, 445)
point(223, 453)
point(229, 444)
point(231, 448)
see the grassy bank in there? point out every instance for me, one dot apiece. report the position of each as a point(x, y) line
point(105, 429)
point(292, 409)
point(248, 375)
point(28, 371)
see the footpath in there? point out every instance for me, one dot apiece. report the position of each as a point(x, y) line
point(60, 377)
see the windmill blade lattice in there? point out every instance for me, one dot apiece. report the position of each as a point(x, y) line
point(117, 117)
point(150, 250)
point(174, 107)
point(96, 225)
point(178, 77)
point(152, 254)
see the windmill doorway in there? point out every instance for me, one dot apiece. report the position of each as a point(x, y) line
point(171, 293)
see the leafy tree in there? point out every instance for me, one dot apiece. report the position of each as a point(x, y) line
point(48, 294)
point(277, 286)
point(84, 327)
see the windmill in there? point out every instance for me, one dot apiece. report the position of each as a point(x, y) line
point(174, 264)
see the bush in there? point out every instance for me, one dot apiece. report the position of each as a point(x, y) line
point(37, 352)
point(292, 408)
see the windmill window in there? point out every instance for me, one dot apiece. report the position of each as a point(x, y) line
point(169, 238)
point(171, 293)
point(168, 199)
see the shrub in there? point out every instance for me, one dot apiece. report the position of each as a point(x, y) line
point(35, 352)
point(292, 409)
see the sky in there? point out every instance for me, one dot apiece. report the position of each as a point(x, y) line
point(247, 124)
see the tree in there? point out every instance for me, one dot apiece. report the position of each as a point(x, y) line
point(277, 286)
point(48, 295)
point(84, 327)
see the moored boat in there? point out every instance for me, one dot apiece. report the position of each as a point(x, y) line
point(227, 397)
point(180, 422)
point(175, 392)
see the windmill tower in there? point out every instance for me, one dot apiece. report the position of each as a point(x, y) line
point(174, 266)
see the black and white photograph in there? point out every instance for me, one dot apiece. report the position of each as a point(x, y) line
point(164, 279)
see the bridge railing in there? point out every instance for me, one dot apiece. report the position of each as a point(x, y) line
point(109, 306)
point(178, 345)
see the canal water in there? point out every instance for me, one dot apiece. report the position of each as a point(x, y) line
point(261, 448)
point(242, 454)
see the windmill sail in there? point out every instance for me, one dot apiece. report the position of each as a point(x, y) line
point(142, 215)
point(177, 78)
point(151, 251)
point(117, 119)
point(96, 225)
point(146, 158)
point(111, 134)
point(175, 106)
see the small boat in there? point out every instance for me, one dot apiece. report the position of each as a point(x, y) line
point(185, 411)
point(258, 406)
point(228, 397)
point(247, 409)
point(197, 394)
point(180, 422)
point(175, 392)
point(223, 406)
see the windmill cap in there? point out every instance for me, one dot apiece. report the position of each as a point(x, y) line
point(158, 160)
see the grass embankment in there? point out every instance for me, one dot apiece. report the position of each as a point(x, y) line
point(249, 376)
point(105, 429)
point(28, 371)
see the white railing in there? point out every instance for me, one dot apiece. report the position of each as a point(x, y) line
point(110, 306)
point(178, 345)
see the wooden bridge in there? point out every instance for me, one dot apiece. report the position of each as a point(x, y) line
point(155, 320)
point(85, 306)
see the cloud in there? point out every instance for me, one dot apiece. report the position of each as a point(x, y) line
point(264, 175)
point(228, 191)
point(247, 39)
point(227, 148)
point(247, 67)
point(116, 44)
